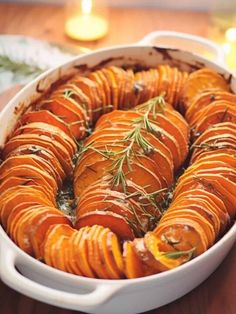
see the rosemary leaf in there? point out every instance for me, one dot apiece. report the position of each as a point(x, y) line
point(18, 68)
point(178, 254)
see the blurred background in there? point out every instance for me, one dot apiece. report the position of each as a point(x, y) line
point(44, 33)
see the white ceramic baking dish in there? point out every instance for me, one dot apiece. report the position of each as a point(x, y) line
point(37, 280)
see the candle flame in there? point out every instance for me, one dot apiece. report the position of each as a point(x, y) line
point(86, 6)
point(231, 34)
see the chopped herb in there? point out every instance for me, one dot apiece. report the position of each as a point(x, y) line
point(178, 254)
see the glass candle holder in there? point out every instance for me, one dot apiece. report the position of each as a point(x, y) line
point(86, 20)
point(223, 29)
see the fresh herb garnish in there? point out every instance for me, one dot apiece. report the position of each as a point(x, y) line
point(177, 254)
point(18, 68)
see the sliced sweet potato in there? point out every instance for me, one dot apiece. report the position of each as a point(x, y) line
point(41, 227)
point(44, 141)
point(94, 76)
point(163, 253)
point(213, 183)
point(196, 213)
point(224, 114)
point(203, 99)
point(43, 153)
point(72, 266)
point(114, 222)
point(201, 206)
point(46, 117)
point(32, 160)
point(82, 252)
point(200, 81)
point(181, 234)
point(205, 153)
point(107, 90)
point(95, 257)
point(215, 203)
point(58, 249)
point(75, 121)
point(43, 128)
point(15, 195)
point(25, 225)
point(54, 233)
point(16, 214)
point(215, 106)
point(35, 174)
point(132, 263)
point(105, 250)
point(90, 89)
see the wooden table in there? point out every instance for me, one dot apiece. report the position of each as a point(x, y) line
point(217, 294)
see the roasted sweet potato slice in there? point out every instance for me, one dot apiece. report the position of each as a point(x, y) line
point(16, 214)
point(215, 106)
point(107, 90)
point(43, 128)
point(120, 77)
point(204, 153)
point(105, 249)
point(166, 255)
point(44, 141)
point(75, 121)
point(54, 233)
point(130, 90)
point(38, 236)
point(204, 208)
point(216, 129)
point(203, 99)
point(217, 116)
point(196, 213)
point(213, 183)
point(95, 258)
point(72, 265)
point(211, 201)
point(200, 81)
point(227, 159)
point(90, 89)
point(82, 252)
point(114, 222)
point(182, 233)
point(15, 181)
point(25, 225)
point(94, 76)
point(35, 174)
point(44, 154)
point(20, 194)
point(132, 263)
point(95, 166)
point(29, 159)
point(113, 86)
point(46, 117)
point(59, 247)
point(70, 91)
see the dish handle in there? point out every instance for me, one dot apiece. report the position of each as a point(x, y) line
point(14, 279)
point(210, 46)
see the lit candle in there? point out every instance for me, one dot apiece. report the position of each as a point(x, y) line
point(86, 25)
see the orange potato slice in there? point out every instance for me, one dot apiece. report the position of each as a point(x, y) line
point(114, 222)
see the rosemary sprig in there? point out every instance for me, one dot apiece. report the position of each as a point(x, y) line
point(18, 68)
point(178, 254)
point(210, 146)
point(135, 136)
point(68, 93)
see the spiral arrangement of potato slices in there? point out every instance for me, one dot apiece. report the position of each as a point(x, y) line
point(123, 172)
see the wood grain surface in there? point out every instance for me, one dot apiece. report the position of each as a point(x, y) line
point(126, 25)
point(217, 294)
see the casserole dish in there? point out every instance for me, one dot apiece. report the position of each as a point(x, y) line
point(55, 287)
